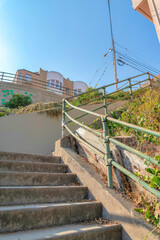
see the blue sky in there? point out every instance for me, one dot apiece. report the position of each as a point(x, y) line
point(71, 37)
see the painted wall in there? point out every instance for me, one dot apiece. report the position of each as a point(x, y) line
point(36, 133)
point(36, 95)
point(33, 133)
point(80, 85)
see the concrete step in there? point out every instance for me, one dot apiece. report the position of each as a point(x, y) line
point(29, 157)
point(70, 232)
point(32, 166)
point(36, 179)
point(20, 218)
point(41, 194)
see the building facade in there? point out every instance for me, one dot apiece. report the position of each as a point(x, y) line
point(151, 10)
point(49, 80)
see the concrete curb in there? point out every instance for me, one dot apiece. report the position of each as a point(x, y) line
point(115, 207)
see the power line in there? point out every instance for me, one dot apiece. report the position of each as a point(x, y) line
point(138, 63)
point(142, 62)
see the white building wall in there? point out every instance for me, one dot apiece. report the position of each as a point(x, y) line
point(55, 76)
point(78, 85)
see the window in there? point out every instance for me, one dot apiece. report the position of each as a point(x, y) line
point(67, 90)
point(52, 83)
point(28, 78)
point(57, 84)
point(60, 87)
point(75, 92)
point(48, 83)
point(20, 76)
point(79, 90)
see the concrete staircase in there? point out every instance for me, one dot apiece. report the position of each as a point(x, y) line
point(39, 200)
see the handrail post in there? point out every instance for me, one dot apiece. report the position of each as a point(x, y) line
point(150, 83)
point(130, 87)
point(139, 84)
point(106, 143)
point(105, 100)
point(107, 153)
point(63, 117)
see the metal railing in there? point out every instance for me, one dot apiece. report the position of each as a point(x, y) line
point(37, 83)
point(68, 106)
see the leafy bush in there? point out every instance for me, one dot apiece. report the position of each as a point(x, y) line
point(144, 111)
point(87, 97)
point(6, 111)
point(119, 95)
point(18, 100)
point(2, 114)
point(150, 210)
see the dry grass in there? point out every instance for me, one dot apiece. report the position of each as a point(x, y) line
point(51, 108)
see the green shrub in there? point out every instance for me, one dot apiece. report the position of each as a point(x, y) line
point(6, 111)
point(121, 95)
point(144, 111)
point(18, 100)
point(87, 97)
point(2, 114)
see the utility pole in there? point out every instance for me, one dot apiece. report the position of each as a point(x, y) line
point(113, 49)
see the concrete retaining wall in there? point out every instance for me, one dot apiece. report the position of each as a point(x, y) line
point(33, 133)
point(115, 207)
point(36, 95)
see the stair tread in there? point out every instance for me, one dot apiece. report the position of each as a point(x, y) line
point(27, 154)
point(41, 173)
point(28, 166)
point(45, 205)
point(51, 233)
point(39, 187)
point(30, 162)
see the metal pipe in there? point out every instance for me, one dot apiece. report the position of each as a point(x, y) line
point(109, 85)
point(63, 117)
point(106, 145)
point(85, 143)
point(83, 115)
point(135, 178)
point(83, 104)
point(141, 129)
point(132, 150)
point(82, 125)
point(83, 110)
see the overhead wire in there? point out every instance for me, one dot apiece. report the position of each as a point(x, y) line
point(136, 61)
point(137, 64)
point(136, 54)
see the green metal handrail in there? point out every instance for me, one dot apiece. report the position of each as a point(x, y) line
point(41, 84)
point(98, 152)
point(132, 150)
point(135, 127)
point(105, 136)
point(135, 178)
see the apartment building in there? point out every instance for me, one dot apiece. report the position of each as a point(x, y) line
point(49, 80)
point(151, 10)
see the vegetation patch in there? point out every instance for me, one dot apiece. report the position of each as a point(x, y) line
point(4, 111)
point(18, 100)
point(51, 108)
point(143, 111)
